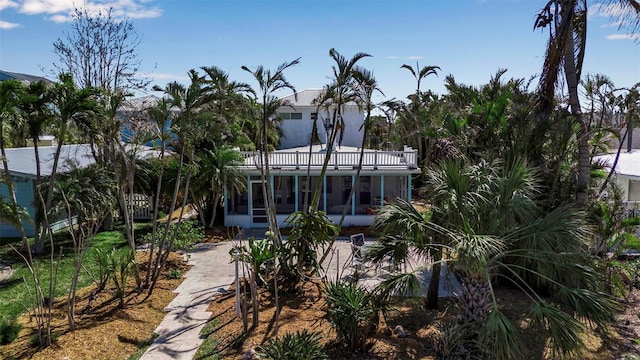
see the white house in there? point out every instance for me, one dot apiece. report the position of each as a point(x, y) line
point(385, 175)
point(295, 170)
point(300, 113)
point(626, 175)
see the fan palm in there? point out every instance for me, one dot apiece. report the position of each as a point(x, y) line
point(486, 218)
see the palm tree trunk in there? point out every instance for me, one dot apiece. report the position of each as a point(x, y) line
point(572, 78)
point(431, 300)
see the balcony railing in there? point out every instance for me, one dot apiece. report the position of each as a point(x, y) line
point(339, 160)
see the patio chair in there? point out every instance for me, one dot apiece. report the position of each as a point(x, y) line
point(357, 243)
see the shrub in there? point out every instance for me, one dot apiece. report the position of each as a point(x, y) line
point(299, 346)
point(9, 329)
point(175, 274)
point(353, 312)
point(187, 233)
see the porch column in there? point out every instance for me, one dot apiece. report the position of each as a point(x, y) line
point(353, 198)
point(324, 193)
point(381, 190)
point(409, 188)
point(295, 182)
point(225, 197)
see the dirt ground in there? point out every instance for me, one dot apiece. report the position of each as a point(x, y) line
point(306, 310)
point(107, 332)
point(104, 330)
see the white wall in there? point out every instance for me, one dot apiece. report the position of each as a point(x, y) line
point(298, 132)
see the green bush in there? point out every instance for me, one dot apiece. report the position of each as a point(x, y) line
point(353, 312)
point(9, 329)
point(299, 346)
point(187, 233)
point(175, 274)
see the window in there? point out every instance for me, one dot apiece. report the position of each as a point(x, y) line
point(291, 116)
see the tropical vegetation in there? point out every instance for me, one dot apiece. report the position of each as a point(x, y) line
point(513, 196)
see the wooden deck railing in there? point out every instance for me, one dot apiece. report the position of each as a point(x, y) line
point(372, 159)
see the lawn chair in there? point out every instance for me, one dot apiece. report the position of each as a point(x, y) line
point(357, 243)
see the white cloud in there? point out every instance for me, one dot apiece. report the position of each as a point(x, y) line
point(62, 10)
point(623, 37)
point(5, 25)
point(414, 57)
point(5, 4)
point(162, 76)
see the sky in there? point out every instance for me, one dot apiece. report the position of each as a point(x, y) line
point(468, 39)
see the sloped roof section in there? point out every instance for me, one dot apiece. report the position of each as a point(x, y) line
point(306, 98)
point(22, 161)
point(628, 163)
point(25, 78)
point(303, 98)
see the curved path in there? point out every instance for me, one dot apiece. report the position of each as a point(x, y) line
point(179, 332)
point(212, 273)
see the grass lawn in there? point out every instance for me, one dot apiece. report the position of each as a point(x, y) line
point(14, 292)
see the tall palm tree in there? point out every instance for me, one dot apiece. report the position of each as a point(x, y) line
point(341, 91)
point(11, 92)
point(189, 105)
point(269, 82)
point(488, 219)
point(71, 107)
point(567, 22)
point(37, 113)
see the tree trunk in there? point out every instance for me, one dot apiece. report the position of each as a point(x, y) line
point(431, 300)
point(572, 78)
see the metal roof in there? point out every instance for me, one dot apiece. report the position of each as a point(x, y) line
point(25, 78)
point(306, 98)
point(628, 163)
point(22, 161)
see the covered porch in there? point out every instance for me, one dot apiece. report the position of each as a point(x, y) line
point(293, 192)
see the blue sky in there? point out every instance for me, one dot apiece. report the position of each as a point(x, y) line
point(469, 39)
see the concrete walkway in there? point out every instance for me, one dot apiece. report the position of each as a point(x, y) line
point(179, 332)
point(212, 273)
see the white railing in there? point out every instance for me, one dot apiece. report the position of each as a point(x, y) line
point(372, 159)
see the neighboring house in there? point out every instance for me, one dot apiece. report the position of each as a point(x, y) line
point(299, 114)
point(626, 175)
point(25, 78)
point(22, 169)
point(385, 175)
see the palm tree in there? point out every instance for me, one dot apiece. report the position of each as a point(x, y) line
point(190, 107)
point(567, 22)
point(217, 167)
point(37, 114)
point(420, 73)
point(487, 218)
point(269, 83)
point(71, 107)
point(11, 92)
point(341, 90)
